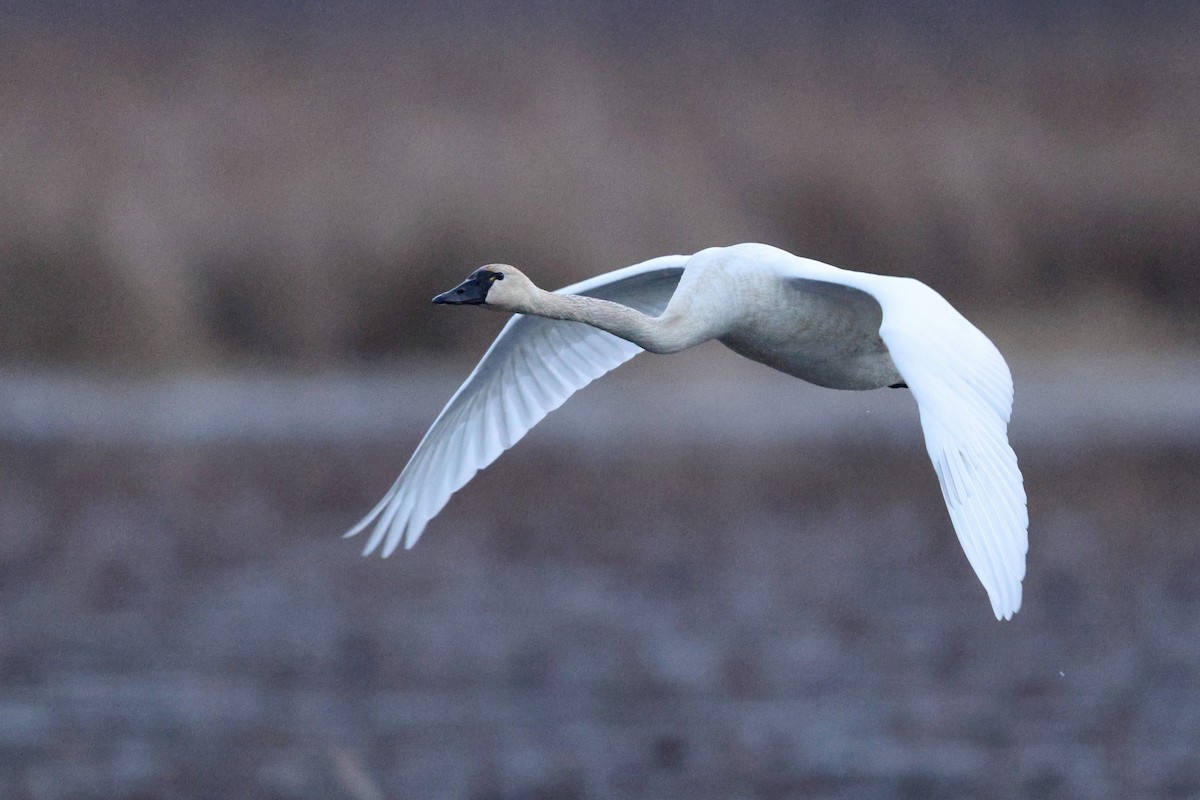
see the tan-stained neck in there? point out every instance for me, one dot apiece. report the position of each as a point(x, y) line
point(668, 333)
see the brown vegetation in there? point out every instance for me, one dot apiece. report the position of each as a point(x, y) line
point(210, 196)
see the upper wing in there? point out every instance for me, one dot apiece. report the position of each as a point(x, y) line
point(964, 392)
point(534, 365)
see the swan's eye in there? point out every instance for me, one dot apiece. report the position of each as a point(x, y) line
point(499, 276)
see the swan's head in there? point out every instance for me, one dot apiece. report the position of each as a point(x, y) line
point(496, 286)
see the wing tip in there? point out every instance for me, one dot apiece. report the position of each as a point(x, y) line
point(360, 526)
point(1005, 611)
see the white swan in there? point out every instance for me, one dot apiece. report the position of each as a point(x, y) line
point(828, 326)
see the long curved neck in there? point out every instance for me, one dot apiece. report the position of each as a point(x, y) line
point(664, 334)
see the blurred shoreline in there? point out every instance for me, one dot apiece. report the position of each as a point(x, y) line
point(1068, 400)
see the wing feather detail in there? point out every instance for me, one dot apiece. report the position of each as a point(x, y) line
point(531, 368)
point(963, 390)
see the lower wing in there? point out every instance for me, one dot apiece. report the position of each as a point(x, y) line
point(963, 390)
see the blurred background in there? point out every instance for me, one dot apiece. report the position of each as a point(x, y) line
point(220, 228)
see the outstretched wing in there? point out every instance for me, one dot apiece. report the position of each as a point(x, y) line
point(964, 393)
point(534, 365)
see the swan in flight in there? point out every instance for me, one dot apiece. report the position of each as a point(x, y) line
point(824, 325)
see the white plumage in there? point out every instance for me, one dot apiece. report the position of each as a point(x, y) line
point(833, 327)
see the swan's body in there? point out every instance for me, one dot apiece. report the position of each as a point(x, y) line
point(828, 326)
